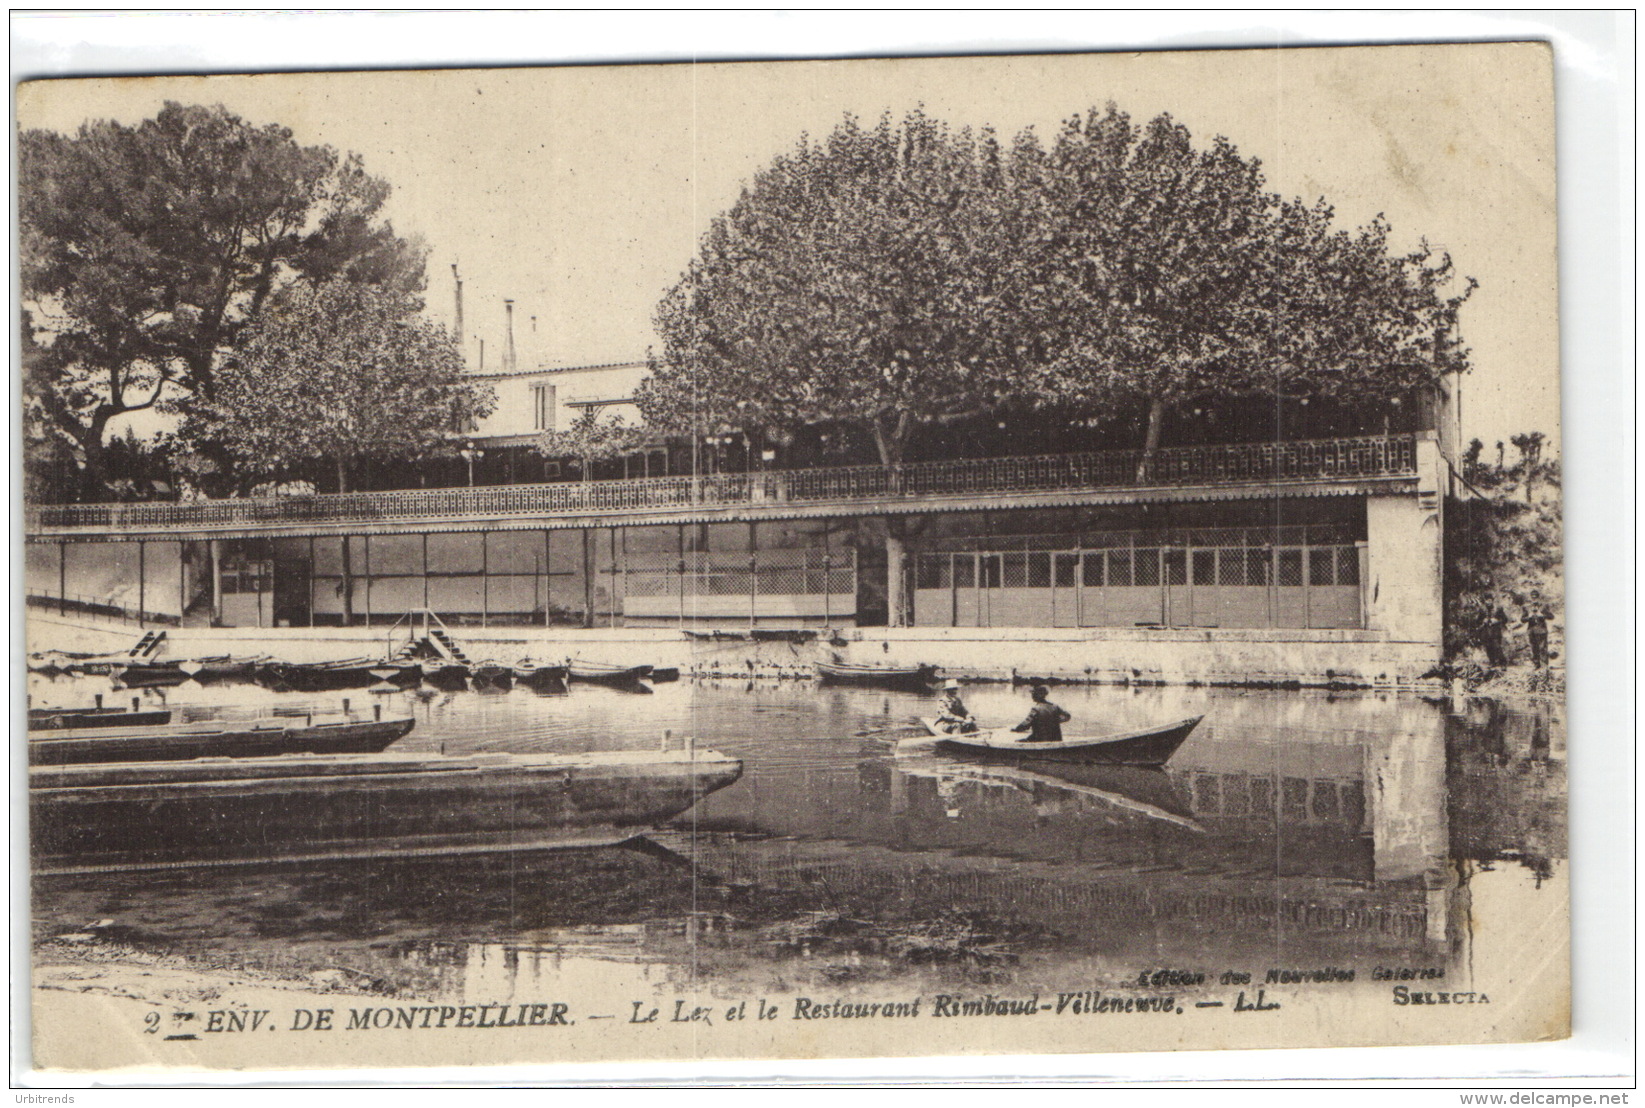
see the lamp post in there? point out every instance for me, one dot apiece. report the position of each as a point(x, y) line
point(470, 455)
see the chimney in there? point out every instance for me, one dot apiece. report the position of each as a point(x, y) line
point(457, 323)
point(508, 350)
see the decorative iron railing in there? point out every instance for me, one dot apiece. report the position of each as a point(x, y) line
point(1308, 460)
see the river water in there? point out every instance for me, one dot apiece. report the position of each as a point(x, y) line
point(1331, 832)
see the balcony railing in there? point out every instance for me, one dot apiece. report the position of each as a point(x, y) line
point(1309, 460)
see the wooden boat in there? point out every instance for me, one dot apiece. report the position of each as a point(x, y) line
point(901, 677)
point(667, 673)
point(215, 739)
point(317, 676)
point(397, 671)
point(444, 671)
point(605, 672)
point(538, 674)
point(1148, 746)
point(148, 675)
point(494, 674)
point(89, 818)
point(56, 719)
point(224, 667)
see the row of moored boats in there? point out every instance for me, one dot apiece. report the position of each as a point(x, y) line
point(347, 672)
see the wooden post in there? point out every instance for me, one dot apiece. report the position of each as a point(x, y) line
point(62, 578)
point(753, 579)
point(426, 607)
point(311, 580)
point(142, 584)
point(485, 580)
point(548, 582)
point(365, 556)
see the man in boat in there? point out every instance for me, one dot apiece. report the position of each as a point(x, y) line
point(952, 714)
point(1045, 719)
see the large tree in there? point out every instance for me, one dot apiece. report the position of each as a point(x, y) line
point(911, 274)
point(144, 249)
point(340, 371)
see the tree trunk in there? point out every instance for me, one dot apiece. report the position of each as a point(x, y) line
point(1156, 417)
point(896, 561)
point(588, 579)
point(348, 567)
point(891, 442)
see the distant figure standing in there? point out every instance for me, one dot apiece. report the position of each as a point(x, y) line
point(1536, 629)
point(952, 715)
point(1045, 719)
point(1490, 633)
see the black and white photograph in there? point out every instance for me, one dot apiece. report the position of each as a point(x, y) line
point(1039, 554)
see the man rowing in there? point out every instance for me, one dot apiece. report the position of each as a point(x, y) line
point(1045, 719)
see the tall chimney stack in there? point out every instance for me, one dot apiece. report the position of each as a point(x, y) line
point(508, 350)
point(457, 322)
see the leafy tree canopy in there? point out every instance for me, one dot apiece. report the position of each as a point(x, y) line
point(591, 439)
point(342, 371)
point(911, 273)
point(145, 249)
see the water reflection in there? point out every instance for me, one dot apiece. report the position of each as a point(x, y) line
point(1292, 828)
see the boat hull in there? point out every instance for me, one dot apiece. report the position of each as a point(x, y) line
point(322, 676)
point(1146, 747)
point(243, 811)
point(917, 677)
point(539, 676)
point(213, 740)
point(56, 719)
point(607, 675)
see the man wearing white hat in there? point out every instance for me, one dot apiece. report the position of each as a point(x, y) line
point(952, 715)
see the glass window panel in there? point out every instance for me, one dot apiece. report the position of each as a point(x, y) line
point(1290, 568)
point(1093, 562)
point(1294, 798)
point(1319, 567)
point(1325, 800)
point(1347, 565)
point(1256, 566)
point(1146, 565)
point(965, 571)
point(990, 570)
point(1066, 570)
point(1176, 567)
point(1039, 571)
point(1205, 567)
point(1119, 567)
point(1015, 570)
point(1262, 796)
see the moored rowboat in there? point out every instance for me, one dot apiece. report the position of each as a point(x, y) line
point(846, 673)
point(538, 674)
point(605, 672)
point(214, 812)
point(214, 739)
point(1148, 746)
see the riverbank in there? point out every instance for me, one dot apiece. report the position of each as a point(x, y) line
point(1223, 657)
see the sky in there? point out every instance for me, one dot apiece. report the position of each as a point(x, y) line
point(580, 192)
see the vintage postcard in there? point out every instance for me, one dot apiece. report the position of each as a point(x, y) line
point(870, 558)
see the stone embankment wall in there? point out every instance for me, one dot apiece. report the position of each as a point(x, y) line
point(1178, 657)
